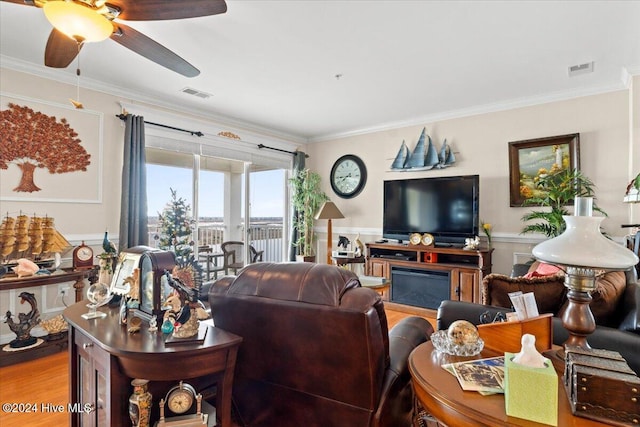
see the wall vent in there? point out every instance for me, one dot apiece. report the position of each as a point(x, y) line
point(195, 92)
point(575, 70)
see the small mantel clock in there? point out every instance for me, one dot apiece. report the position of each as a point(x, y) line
point(82, 257)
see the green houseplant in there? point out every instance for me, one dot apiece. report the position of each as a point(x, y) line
point(307, 197)
point(559, 191)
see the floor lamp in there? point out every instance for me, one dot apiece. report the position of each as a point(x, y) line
point(329, 211)
point(584, 253)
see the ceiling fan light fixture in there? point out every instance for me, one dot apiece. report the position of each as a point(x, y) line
point(78, 22)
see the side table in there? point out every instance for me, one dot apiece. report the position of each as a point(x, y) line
point(349, 262)
point(379, 284)
point(441, 395)
point(104, 358)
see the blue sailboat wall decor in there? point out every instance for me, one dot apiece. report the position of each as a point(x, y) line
point(424, 156)
point(446, 157)
point(401, 158)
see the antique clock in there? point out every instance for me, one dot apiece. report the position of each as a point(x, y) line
point(82, 257)
point(144, 269)
point(348, 176)
point(180, 400)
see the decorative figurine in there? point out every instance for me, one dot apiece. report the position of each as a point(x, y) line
point(27, 321)
point(167, 326)
point(153, 324)
point(343, 242)
point(183, 304)
point(124, 310)
point(471, 244)
point(359, 251)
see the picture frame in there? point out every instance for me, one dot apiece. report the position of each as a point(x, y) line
point(530, 158)
point(127, 263)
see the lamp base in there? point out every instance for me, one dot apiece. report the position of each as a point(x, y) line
point(578, 319)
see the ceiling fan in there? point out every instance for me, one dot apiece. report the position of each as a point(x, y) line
point(79, 21)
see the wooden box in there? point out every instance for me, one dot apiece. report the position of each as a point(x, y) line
point(507, 336)
point(601, 386)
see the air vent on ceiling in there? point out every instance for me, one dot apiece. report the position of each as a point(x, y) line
point(195, 92)
point(575, 70)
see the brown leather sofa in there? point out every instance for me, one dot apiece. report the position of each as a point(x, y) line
point(315, 350)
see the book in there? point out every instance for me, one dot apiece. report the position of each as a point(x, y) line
point(482, 375)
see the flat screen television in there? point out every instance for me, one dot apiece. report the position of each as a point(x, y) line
point(446, 207)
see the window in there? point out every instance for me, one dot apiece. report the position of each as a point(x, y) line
point(219, 205)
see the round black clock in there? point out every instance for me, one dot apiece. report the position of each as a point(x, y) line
point(348, 176)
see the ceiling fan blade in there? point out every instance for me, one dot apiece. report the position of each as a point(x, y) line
point(23, 2)
point(152, 50)
point(156, 10)
point(60, 50)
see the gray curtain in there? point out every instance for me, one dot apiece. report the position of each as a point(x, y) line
point(133, 205)
point(298, 165)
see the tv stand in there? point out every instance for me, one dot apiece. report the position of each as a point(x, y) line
point(445, 245)
point(464, 270)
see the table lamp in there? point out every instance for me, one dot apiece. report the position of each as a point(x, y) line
point(584, 254)
point(329, 211)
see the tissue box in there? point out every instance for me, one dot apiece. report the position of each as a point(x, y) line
point(531, 393)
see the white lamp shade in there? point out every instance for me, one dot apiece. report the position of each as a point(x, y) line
point(583, 245)
point(77, 21)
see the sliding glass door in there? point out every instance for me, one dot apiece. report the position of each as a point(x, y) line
point(230, 200)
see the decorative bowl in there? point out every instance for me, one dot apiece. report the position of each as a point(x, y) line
point(442, 343)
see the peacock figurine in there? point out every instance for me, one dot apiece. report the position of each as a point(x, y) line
point(108, 245)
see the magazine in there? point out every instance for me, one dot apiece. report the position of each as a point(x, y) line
point(483, 375)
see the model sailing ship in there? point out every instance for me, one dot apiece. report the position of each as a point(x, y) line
point(424, 156)
point(34, 238)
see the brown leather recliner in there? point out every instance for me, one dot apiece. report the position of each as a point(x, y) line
point(315, 350)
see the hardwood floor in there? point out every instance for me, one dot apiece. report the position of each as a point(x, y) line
point(42, 385)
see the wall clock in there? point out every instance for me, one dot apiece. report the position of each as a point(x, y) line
point(348, 176)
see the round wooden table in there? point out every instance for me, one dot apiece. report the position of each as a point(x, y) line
point(441, 395)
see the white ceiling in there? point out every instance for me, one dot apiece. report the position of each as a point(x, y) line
point(273, 63)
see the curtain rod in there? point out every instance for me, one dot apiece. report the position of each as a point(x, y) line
point(196, 133)
point(293, 153)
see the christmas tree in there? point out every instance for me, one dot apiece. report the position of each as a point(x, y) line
point(176, 232)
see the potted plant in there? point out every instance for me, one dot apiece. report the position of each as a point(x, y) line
point(559, 190)
point(307, 197)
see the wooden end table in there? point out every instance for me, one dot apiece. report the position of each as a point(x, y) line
point(104, 358)
point(441, 395)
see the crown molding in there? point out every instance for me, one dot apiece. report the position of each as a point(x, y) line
point(132, 97)
point(482, 109)
point(65, 77)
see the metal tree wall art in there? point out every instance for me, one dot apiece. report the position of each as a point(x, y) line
point(31, 139)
